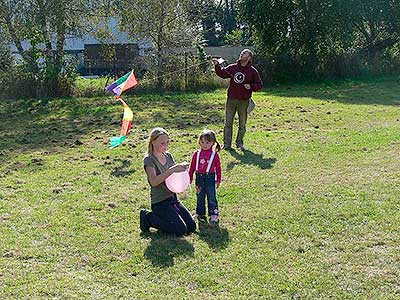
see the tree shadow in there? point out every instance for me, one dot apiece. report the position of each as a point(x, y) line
point(122, 171)
point(181, 110)
point(214, 235)
point(250, 158)
point(372, 91)
point(163, 248)
point(58, 124)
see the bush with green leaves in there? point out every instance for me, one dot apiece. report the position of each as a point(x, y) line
point(324, 39)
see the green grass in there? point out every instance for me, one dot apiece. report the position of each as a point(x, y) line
point(310, 211)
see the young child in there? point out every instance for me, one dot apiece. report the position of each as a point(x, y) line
point(207, 165)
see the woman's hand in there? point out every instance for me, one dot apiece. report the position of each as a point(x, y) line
point(180, 167)
point(217, 184)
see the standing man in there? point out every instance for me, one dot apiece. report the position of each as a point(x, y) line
point(244, 80)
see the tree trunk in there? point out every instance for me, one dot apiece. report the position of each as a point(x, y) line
point(160, 50)
point(25, 56)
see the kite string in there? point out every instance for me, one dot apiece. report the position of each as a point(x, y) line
point(177, 71)
point(173, 72)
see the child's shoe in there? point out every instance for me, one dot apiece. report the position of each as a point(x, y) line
point(202, 218)
point(214, 218)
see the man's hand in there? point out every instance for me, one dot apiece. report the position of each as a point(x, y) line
point(247, 86)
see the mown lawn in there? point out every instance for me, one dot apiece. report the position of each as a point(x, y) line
point(310, 211)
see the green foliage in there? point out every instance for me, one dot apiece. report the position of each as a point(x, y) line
point(44, 26)
point(217, 19)
point(202, 57)
point(165, 24)
point(329, 38)
point(18, 82)
point(85, 87)
point(6, 60)
point(235, 38)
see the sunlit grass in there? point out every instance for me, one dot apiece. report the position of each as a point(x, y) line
point(310, 211)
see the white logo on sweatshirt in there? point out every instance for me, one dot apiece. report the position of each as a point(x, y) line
point(239, 77)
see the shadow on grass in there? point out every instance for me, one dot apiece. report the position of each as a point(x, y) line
point(122, 171)
point(163, 248)
point(250, 158)
point(36, 125)
point(379, 90)
point(214, 235)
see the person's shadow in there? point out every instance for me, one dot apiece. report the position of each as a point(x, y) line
point(163, 248)
point(250, 158)
point(122, 170)
point(214, 235)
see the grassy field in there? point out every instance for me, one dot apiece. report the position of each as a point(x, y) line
point(310, 211)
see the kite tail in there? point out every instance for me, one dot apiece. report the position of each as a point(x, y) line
point(116, 141)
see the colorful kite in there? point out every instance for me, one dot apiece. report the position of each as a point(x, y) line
point(123, 84)
point(126, 126)
point(117, 88)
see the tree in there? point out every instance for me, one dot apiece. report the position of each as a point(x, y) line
point(163, 23)
point(310, 36)
point(205, 13)
point(217, 19)
point(228, 17)
point(376, 25)
point(44, 25)
point(6, 60)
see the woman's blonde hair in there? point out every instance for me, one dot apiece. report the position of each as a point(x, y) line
point(155, 134)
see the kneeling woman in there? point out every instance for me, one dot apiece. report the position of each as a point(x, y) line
point(168, 213)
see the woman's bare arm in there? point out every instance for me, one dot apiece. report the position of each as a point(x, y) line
point(155, 179)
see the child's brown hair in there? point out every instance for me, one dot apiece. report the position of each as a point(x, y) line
point(210, 136)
